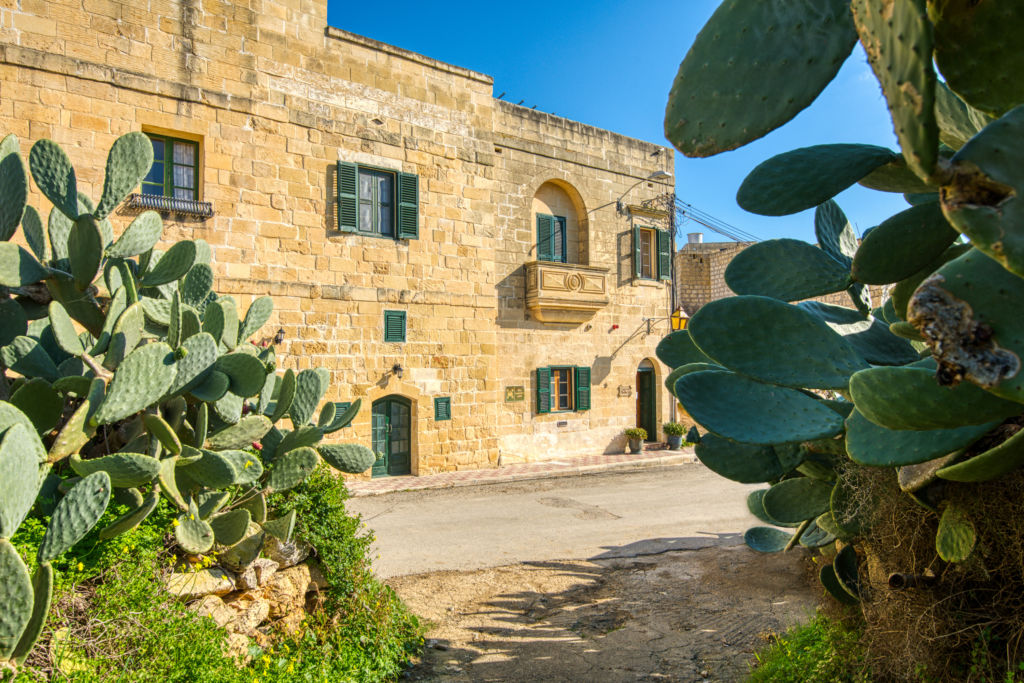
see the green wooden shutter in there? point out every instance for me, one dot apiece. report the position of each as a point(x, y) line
point(545, 228)
point(408, 206)
point(394, 326)
point(664, 255)
point(558, 239)
point(442, 408)
point(543, 390)
point(348, 207)
point(636, 251)
point(582, 388)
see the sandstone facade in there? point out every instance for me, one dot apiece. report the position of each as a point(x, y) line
point(274, 99)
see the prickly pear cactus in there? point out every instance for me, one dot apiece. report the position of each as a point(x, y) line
point(929, 382)
point(121, 368)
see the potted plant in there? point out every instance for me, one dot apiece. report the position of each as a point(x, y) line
point(674, 433)
point(636, 436)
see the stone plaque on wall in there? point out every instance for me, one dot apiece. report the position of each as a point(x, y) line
point(514, 394)
point(625, 390)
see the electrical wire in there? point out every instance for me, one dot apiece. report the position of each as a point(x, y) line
point(686, 211)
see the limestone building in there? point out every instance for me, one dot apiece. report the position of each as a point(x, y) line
point(484, 276)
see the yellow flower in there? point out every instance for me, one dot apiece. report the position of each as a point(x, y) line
point(248, 462)
point(266, 659)
point(80, 566)
point(291, 667)
point(175, 523)
point(192, 517)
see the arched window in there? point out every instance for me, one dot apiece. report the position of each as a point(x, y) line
point(558, 216)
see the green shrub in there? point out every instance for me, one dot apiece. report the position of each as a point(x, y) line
point(821, 651)
point(636, 433)
point(673, 429)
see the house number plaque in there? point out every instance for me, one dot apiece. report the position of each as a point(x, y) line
point(513, 394)
point(625, 390)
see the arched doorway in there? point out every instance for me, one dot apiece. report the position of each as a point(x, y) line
point(392, 422)
point(646, 399)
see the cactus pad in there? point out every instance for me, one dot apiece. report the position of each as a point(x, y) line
point(125, 469)
point(803, 178)
point(896, 176)
point(213, 388)
point(159, 428)
point(18, 267)
point(971, 40)
point(766, 539)
point(897, 38)
point(956, 536)
point(737, 82)
point(834, 232)
point(678, 349)
point(795, 500)
point(910, 398)
point(128, 162)
point(214, 470)
point(281, 528)
point(13, 188)
point(40, 403)
point(246, 373)
point(42, 594)
point(172, 265)
point(902, 245)
point(257, 315)
point(229, 406)
point(347, 457)
point(85, 250)
point(794, 348)
point(13, 321)
point(249, 468)
point(744, 463)
point(755, 504)
point(75, 515)
point(230, 527)
point(786, 269)
point(15, 596)
point(828, 579)
point(748, 411)
point(958, 121)
point(55, 177)
point(125, 336)
point(249, 429)
point(195, 364)
point(196, 284)
point(64, 329)
point(140, 236)
point(140, 381)
point(870, 444)
point(343, 418)
point(192, 533)
point(309, 389)
point(257, 507)
point(984, 199)
point(285, 396)
point(303, 436)
point(292, 468)
point(169, 483)
point(20, 455)
point(871, 339)
point(995, 462)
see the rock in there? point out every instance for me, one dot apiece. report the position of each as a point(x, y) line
point(285, 554)
point(290, 623)
point(317, 577)
point(213, 607)
point(191, 585)
point(237, 646)
point(286, 590)
point(257, 573)
point(250, 610)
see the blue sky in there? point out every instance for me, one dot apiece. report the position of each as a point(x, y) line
point(611, 63)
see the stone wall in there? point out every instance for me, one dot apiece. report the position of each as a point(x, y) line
point(275, 98)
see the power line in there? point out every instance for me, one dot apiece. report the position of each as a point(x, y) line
point(686, 211)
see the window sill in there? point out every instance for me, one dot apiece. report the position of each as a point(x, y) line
point(187, 207)
point(376, 236)
point(648, 282)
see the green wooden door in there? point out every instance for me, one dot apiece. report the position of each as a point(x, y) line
point(645, 403)
point(391, 425)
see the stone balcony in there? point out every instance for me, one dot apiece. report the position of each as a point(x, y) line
point(565, 292)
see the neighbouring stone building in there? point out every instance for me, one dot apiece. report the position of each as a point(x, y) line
point(484, 276)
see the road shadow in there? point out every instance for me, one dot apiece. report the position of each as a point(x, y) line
point(677, 609)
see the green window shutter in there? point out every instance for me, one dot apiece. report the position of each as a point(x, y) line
point(348, 214)
point(582, 388)
point(442, 408)
point(543, 390)
point(394, 326)
point(664, 255)
point(545, 245)
point(636, 251)
point(408, 206)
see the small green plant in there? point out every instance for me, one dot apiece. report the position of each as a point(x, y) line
point(635, 433)
point(821, 651)
point(673, 429)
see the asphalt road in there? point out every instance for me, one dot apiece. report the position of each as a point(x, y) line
point(600, 516)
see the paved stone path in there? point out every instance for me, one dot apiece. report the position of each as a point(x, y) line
point(568, 466)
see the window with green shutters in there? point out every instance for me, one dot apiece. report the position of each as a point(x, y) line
point(652, 254)
point(563, 388)
point(551, 238)
point(377, 201)
point(442, 408)
point(394, 326)
point(175, 169)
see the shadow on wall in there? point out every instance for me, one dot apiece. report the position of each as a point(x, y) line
point(624, 260)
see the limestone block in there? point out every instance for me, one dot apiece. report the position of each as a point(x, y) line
point(191, 585)
point(285, 591)
point(236, 646)
point(213, 607)
point(257, 573)
point(285, 554)
point(249, 610)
